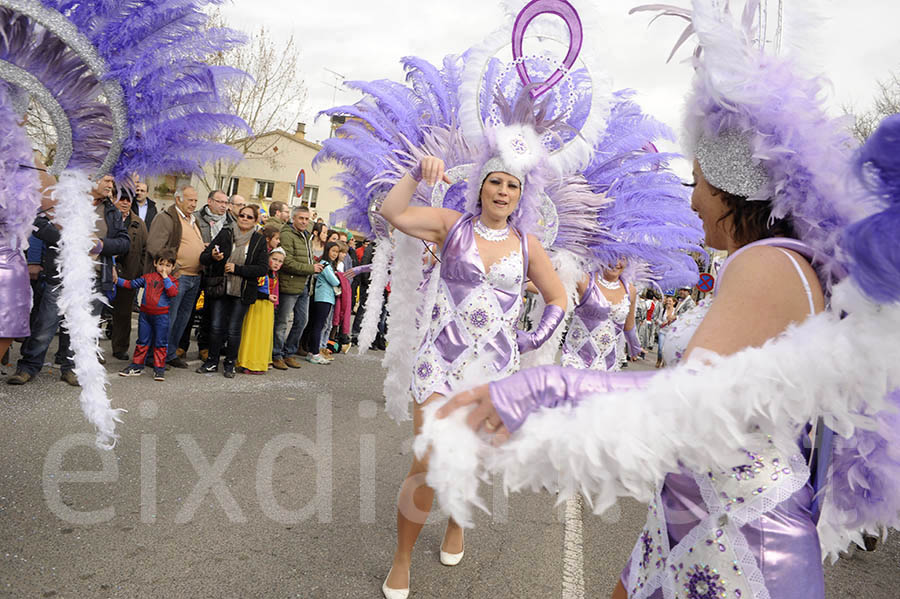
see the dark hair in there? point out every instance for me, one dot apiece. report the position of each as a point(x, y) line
point(332, 232)
point(327, 249)
point(213, 193)
point(276, 206)
point(270, 231)
point(254, 208)
point(166, 255)
point(317, 228)
point(752, 221)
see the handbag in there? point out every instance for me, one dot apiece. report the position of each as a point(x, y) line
point(215, 286)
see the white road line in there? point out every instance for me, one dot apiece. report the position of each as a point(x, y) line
point(573, 550)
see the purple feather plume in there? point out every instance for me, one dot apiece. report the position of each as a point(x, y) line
point(872, 244)
point(649, 221)
point(20, 195)
point(174, 102)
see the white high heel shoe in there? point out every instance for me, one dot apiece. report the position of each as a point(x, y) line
point(390, 593)
point(452, 559)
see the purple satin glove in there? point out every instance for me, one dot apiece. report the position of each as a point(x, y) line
point(551, 318)
point(520, 394)
point(634, 345)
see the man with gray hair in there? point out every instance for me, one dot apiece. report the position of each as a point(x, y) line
point(294, 287)
point(235, 203)
point(176, 229)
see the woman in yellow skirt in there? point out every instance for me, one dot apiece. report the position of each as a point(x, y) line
point(255, 352)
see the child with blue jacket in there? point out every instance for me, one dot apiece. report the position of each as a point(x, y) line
point(323, 300)
point(153, 321)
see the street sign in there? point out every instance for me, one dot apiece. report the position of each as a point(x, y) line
point(707, 282)
point(301, 183)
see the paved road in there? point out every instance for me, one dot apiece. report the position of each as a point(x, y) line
point(276, 486)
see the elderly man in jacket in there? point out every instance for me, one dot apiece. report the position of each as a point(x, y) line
point(294, 286)
point(176, 229)
point(129, 266)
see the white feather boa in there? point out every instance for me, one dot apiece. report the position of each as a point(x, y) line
point(570, 270)
point(378, 280)
point(75, 211)
point(699, 415)
point(404, 303)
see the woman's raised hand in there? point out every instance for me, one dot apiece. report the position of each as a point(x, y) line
point(432, 169)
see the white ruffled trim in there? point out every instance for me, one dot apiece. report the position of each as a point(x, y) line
point(698, 415)
point(77, 272)
point(378, 280)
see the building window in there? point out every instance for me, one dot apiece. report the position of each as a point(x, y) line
point(231, 188)
point(310, 196)
point(264, 190)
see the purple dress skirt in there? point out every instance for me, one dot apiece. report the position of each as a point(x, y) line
point(15, 294)
point(471, 336)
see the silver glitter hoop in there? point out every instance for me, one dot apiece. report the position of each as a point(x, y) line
point(727, 162)
point(22, 79)
point(549, 222)
point(57, 24)
point(380, 227)
point(456, 174)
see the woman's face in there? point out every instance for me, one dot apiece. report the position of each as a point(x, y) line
point(500, 195)
point(670, 302)
point(245, 219)
point(616, 271)
point(710, 208)
point(323, 234)
point(275, 241)
point(275, 261)
point(332, 238)
point(333, 252)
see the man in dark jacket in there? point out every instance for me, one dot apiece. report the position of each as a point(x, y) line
point(143, 206)
point(294, 286)
point(111, 239)
point(130, 266)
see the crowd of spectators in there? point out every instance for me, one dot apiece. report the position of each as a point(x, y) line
point(254, 290)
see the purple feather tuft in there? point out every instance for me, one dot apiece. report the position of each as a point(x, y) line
point(865, 474)
point(872, 243)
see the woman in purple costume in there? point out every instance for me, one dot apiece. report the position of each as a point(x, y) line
point(472, 335)
point(601, 318)
point(767, 188)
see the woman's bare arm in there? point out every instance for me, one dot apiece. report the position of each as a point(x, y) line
point(542, 274)
point(430, 224)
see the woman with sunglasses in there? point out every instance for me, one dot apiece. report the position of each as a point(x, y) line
point(240, 255)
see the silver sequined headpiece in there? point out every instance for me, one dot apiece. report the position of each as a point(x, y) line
point(497, 165)
point(728, 164)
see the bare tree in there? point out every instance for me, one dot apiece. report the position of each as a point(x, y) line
point(271, 98)
point(887, 102)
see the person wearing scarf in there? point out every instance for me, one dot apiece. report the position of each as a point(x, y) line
point(239, 254)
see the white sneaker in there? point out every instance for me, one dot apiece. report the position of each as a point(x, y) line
point(316, 359)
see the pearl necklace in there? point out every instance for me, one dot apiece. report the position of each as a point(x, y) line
point(608, 285)
point(489, 234)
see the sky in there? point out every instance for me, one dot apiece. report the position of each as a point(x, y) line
point(856, 44)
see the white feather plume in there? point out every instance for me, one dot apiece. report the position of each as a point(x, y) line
point(697, 415)
point(378, 280)
point(403, 340)
point(74, 209)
